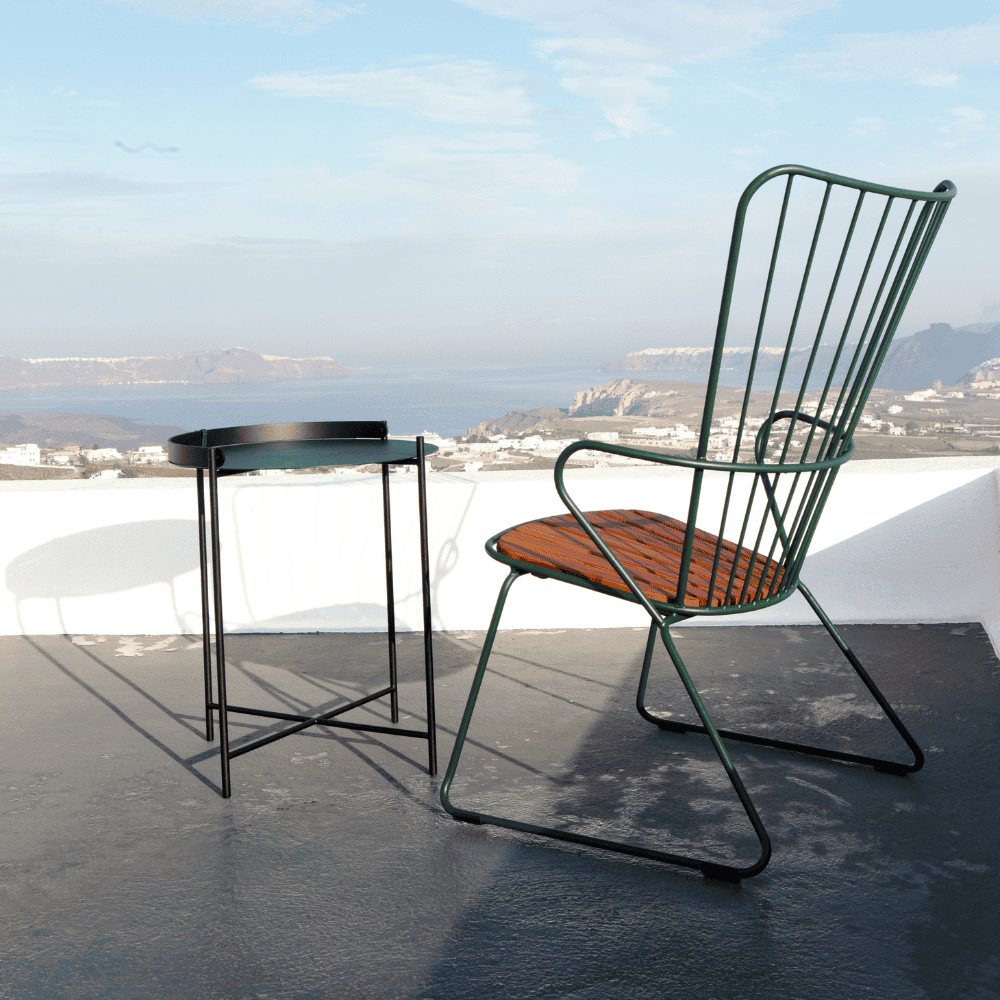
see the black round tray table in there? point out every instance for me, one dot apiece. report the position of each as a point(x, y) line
point(226, 451)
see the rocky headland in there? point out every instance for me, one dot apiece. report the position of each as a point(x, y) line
point(232, 364)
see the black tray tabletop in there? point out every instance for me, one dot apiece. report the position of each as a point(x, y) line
point(312, 453)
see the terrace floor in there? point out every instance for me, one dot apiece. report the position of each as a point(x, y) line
point(333, 871)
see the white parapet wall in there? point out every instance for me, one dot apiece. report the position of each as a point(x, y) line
point(900, 541)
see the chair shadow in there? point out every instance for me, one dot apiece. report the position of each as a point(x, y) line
point(830, 822)
point(335, 667)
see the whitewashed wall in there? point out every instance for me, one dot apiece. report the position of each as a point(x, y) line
point(901, 541)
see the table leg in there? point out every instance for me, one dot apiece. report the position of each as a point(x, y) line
point(206, 654)
point(220, 649)
point(425, 574)
point(390, 599)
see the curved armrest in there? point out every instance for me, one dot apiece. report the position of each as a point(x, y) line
point(760, 441)
point(705, 464)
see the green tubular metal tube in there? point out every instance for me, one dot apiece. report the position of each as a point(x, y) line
point(866, 275)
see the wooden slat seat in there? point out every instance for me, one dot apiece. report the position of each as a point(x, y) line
point(649, 546)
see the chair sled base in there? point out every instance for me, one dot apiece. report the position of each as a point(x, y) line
point(709, 869)
point(878, 763)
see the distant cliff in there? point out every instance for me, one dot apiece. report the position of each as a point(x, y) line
point(937, 353)
point(698, 359)
point(234, 364)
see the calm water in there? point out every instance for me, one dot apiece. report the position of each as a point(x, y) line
point(446, 401)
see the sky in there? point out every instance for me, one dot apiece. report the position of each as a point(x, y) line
point(457, 180)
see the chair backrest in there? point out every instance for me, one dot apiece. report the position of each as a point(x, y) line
point(829, 265)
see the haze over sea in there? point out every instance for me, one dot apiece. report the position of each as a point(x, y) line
point(441, 399)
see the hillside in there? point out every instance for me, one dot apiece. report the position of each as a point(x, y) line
point(938, 353)
point(233, 364)
point(53, 430)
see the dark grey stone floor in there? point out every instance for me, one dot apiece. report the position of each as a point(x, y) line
point(333, 872)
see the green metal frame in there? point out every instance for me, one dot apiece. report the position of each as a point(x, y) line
point(786, 497)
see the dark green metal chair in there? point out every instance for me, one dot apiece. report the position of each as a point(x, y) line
point(825, 257)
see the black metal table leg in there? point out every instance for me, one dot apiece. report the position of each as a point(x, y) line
point(425, 579)
point(206, 653)
point(220, 649)
point(390, 599)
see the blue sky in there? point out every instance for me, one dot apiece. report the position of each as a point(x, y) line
point(457, 178)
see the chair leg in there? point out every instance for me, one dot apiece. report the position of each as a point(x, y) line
point(889, 766)
point(879, 765)
point(711, 869)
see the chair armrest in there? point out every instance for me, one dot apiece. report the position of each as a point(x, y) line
point(760, 441)
point(706, 464)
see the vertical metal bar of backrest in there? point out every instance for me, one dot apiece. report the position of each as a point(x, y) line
point(425, 581)
point(918, 246)
point(813, 504)
point(728, 593)
point(770, 483)
point(878, 307)
point(835, 360)
point(713, 379)
point(907, 272)
point(751, 371)
point(781, 537)
point(871, 347)
point(870, 356)
point(829, 441)
point(803, 285)
point(924, 232)
point(220, 647)
point(790, 564)
point(206, 632)
point(803, 505)
point(771, 511)
point(824, 488)
point(809, 510)
point(789, 342)
point(390, 597)
point(807, 271)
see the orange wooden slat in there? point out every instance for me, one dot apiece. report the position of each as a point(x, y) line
point(649, 546)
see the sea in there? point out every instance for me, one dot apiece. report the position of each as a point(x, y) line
point(438, 399)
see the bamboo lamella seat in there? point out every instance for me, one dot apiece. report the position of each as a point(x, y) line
point(651, 548)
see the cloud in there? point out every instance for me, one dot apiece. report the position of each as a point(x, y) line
point(614, 52)
point(679, 31)
point(969, 118)
point(467, 91)
point(297, 16)
point(617, 76)
point(76, 185)
point(930, 58)
point(47, 132)
point(485, 166)
point(865, 126)
point(435, 177)
point(965, 122)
